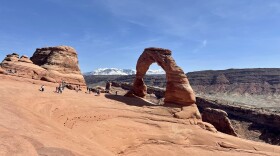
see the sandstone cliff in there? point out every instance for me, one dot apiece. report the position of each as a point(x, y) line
point(257, 81)
point(61, 63)
point(53, 64)
point(22, 67)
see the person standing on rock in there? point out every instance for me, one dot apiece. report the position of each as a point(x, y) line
point(88, 90)
point(56, 89)
point(63, 84)
point(98, 92)
point(60, 88)
point(42, 88)
point(77, 88)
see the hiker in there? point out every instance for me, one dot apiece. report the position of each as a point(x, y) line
point(88, 90)
point(98, 92)
point(116, 92)
point(60, 88)
point(77, 88)
point(42, 89)
point(63, 84)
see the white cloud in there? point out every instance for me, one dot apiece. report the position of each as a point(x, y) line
point(202, 45)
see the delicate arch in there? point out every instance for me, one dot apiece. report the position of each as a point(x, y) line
point(178, 89)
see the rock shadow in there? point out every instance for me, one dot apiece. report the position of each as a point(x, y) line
point(48, 151)
point(132, 101)
point(139, 102)
point(268, 134)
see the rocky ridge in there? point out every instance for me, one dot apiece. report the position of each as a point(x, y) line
point(254, 81)
point(258, 81)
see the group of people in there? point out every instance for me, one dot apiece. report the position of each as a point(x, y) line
point(78, 88)
point(60, 87)
point(11, 71)
point(63, 84)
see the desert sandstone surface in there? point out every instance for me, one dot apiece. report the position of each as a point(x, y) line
point(47, 123)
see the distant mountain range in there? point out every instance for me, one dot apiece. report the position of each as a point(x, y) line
point(115, 71)
point(258, 87)
point(257, 81)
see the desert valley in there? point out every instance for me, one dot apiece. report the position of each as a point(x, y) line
point(164, 117)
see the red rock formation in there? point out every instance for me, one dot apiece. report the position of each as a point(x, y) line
point(219, 119)
point(12, 57)
point(178, 89)
point(108, 85)
point(2, 71)
point(25, 58)
point(22, 67)
point(52, 64)
point(61, 62)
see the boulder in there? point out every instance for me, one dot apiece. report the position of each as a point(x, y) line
point(25, 58)
point(126, 86)
point(116, 84)
point(70, 87)
point(101, 89)
point(14, 57)
point(188, 112)
point(108, 86)
point(219, 119)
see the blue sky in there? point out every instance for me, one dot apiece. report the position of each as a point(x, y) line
point(203, 34)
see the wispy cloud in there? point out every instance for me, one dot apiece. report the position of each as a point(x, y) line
point(156, 16)
point(202, 45)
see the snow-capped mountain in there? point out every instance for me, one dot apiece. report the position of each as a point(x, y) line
point(155, 72)
point(115, 71)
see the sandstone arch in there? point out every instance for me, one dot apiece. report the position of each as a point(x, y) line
point(178, 89)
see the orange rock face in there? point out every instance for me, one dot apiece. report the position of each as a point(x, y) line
point(178, 89)
point(21, 67)
point(61, 62)
point(53, 64)
point(24, 58)
point(2, 71)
